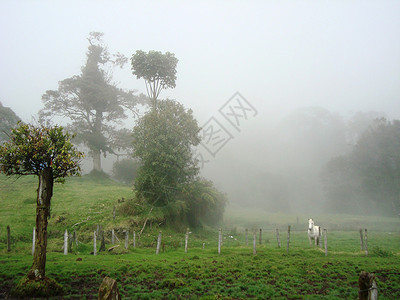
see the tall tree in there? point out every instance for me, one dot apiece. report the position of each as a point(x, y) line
point(163, 140)
point(8, 119)
point(48, 153)
point(93, 103)
point(158, 71)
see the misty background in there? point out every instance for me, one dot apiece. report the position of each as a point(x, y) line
point(318, 74)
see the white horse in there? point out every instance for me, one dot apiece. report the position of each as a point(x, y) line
point(314, 232)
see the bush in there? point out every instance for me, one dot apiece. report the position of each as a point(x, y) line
point(206, 205)
point(126, 170)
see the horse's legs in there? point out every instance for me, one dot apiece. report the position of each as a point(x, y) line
point(309, 238)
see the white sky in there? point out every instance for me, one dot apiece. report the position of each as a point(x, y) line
point(280, 55)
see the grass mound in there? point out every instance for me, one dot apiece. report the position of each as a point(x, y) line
point(45, 287)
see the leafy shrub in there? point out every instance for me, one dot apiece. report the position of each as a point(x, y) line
point(126, 170)
point(206, 205)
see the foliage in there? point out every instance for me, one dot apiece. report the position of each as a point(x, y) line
point(206, 205)
point(93, 103)
point(158, 71)
point(48, 153)
point(367, 178)
point(32, 149)
point(8, 119)
point(377, 159)
point(126, 170)
point(162, 141)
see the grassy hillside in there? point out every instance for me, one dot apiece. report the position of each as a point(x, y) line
point(81, 199)
point(303, 273)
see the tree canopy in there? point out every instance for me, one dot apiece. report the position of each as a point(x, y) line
point(168, 178)
point(163, 140)
point(367, 179)
point(93, 103)
point(8, 119)
point(158, 71)
point(34, 148)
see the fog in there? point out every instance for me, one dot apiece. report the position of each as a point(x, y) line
point(327, 60)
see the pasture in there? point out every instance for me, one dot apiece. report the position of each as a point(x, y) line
point(302, 273)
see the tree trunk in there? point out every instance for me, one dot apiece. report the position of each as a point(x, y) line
point(97, 160)
point(44, 194)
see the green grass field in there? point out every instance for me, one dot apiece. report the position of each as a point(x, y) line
point(302, 273)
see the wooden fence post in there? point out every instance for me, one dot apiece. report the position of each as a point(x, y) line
point(319, 237)
point(361, 240)
point(368, 290)
point(254, 242)
point(219, 240)
point(102, 241)
point(8, 238)
point(134, 239)
point(126, 239)
point(75, 238)
point(94, 243)
point(66, 242)
point(186, 240)
point(260, 239)
point(288, 239)
point(33, 240)
point(366, 242)
point(247, 237)
point(278, 238)
point(112, 237)
point(326, 242)
point(70, 242)
point(158, 243)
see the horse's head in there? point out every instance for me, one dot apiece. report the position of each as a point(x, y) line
point(310, 224)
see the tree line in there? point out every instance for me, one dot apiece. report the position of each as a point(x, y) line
point(366, 180)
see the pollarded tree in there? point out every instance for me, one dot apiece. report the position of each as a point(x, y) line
point(158, 71)
point(48, 153)
point(93, 103)
point(163, 140)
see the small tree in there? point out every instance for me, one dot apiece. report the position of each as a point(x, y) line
point(158, 71)
point(48, 153)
